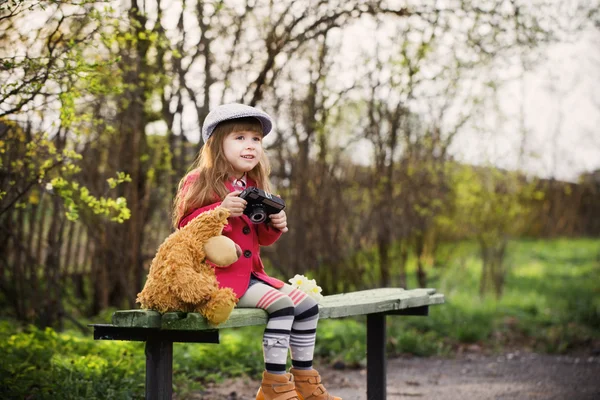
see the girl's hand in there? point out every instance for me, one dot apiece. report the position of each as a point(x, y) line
point(234, 204)
point(279, 221)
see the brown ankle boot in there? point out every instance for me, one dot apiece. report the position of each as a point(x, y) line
point(277, 387)
point(308, 385)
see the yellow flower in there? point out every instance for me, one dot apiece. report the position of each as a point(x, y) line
point(308, 286)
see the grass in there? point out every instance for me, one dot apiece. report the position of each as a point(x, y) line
point(551, 304)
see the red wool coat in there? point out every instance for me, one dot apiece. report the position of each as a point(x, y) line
point(249, 237)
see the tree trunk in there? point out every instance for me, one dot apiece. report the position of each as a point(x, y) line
point(50, 306)
point(99, 281)
point(499, 276)
point(402, 264)
point(420, 247)
point(68, 263)
point(493, 273)
point(20, 278)
point(383, 248)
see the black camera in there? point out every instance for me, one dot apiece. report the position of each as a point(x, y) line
point(260, 204)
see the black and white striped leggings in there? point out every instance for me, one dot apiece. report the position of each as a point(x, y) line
point(293, 317)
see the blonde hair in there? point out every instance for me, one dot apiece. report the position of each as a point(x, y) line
point(212, 170)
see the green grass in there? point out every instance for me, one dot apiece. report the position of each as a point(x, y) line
point(551, 304)
point(46, 365)
point(551, 301)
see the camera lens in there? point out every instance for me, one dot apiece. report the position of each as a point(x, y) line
point(258, 217)
point(258, 214)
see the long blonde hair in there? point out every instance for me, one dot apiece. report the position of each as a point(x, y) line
point(213, 169)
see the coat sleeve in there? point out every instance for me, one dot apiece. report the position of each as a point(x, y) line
point(267, 235)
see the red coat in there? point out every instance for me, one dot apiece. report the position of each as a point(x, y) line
point(249, 237)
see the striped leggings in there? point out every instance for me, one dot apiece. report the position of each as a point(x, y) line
point(292, 324)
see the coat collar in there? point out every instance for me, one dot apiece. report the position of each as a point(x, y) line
point(249, 182)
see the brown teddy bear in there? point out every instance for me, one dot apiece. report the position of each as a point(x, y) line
point(180, 279)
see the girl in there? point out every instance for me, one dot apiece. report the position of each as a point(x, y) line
point(231, 159)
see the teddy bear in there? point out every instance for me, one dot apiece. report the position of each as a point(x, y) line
point(180, 277)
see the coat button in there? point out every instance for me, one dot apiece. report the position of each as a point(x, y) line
point(246, 230)
point(247, 254)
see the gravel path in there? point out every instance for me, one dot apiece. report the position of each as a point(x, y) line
point(514, 376)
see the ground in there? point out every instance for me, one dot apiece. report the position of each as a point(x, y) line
point(513, 375)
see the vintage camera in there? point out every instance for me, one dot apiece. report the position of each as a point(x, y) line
point(260, 204)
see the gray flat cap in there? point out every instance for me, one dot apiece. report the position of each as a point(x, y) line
point(232, 111)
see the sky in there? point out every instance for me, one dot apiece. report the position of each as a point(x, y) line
point(561, 104)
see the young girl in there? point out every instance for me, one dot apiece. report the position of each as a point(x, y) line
point(231, 159)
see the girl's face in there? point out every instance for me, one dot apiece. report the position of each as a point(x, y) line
point(243, 150)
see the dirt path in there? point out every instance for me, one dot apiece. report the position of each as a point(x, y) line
point(514, 376)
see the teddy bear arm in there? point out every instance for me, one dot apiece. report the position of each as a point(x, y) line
point(222, 251)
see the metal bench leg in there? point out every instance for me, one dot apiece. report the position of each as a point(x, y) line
point(376, 360)
point(159, 369)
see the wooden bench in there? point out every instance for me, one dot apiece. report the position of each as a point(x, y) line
point(161, 331)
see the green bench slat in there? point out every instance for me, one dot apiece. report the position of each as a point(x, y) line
point(334, 306)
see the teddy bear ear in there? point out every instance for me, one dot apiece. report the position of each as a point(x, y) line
point(222, 213)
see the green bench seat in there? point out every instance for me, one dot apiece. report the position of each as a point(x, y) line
point(160, 331)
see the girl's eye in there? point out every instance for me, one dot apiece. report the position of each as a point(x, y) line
point(257, 139)
point(239, 138)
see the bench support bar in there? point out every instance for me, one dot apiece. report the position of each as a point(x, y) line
point(159, 369)
point(376, 359)
point(376, 355)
